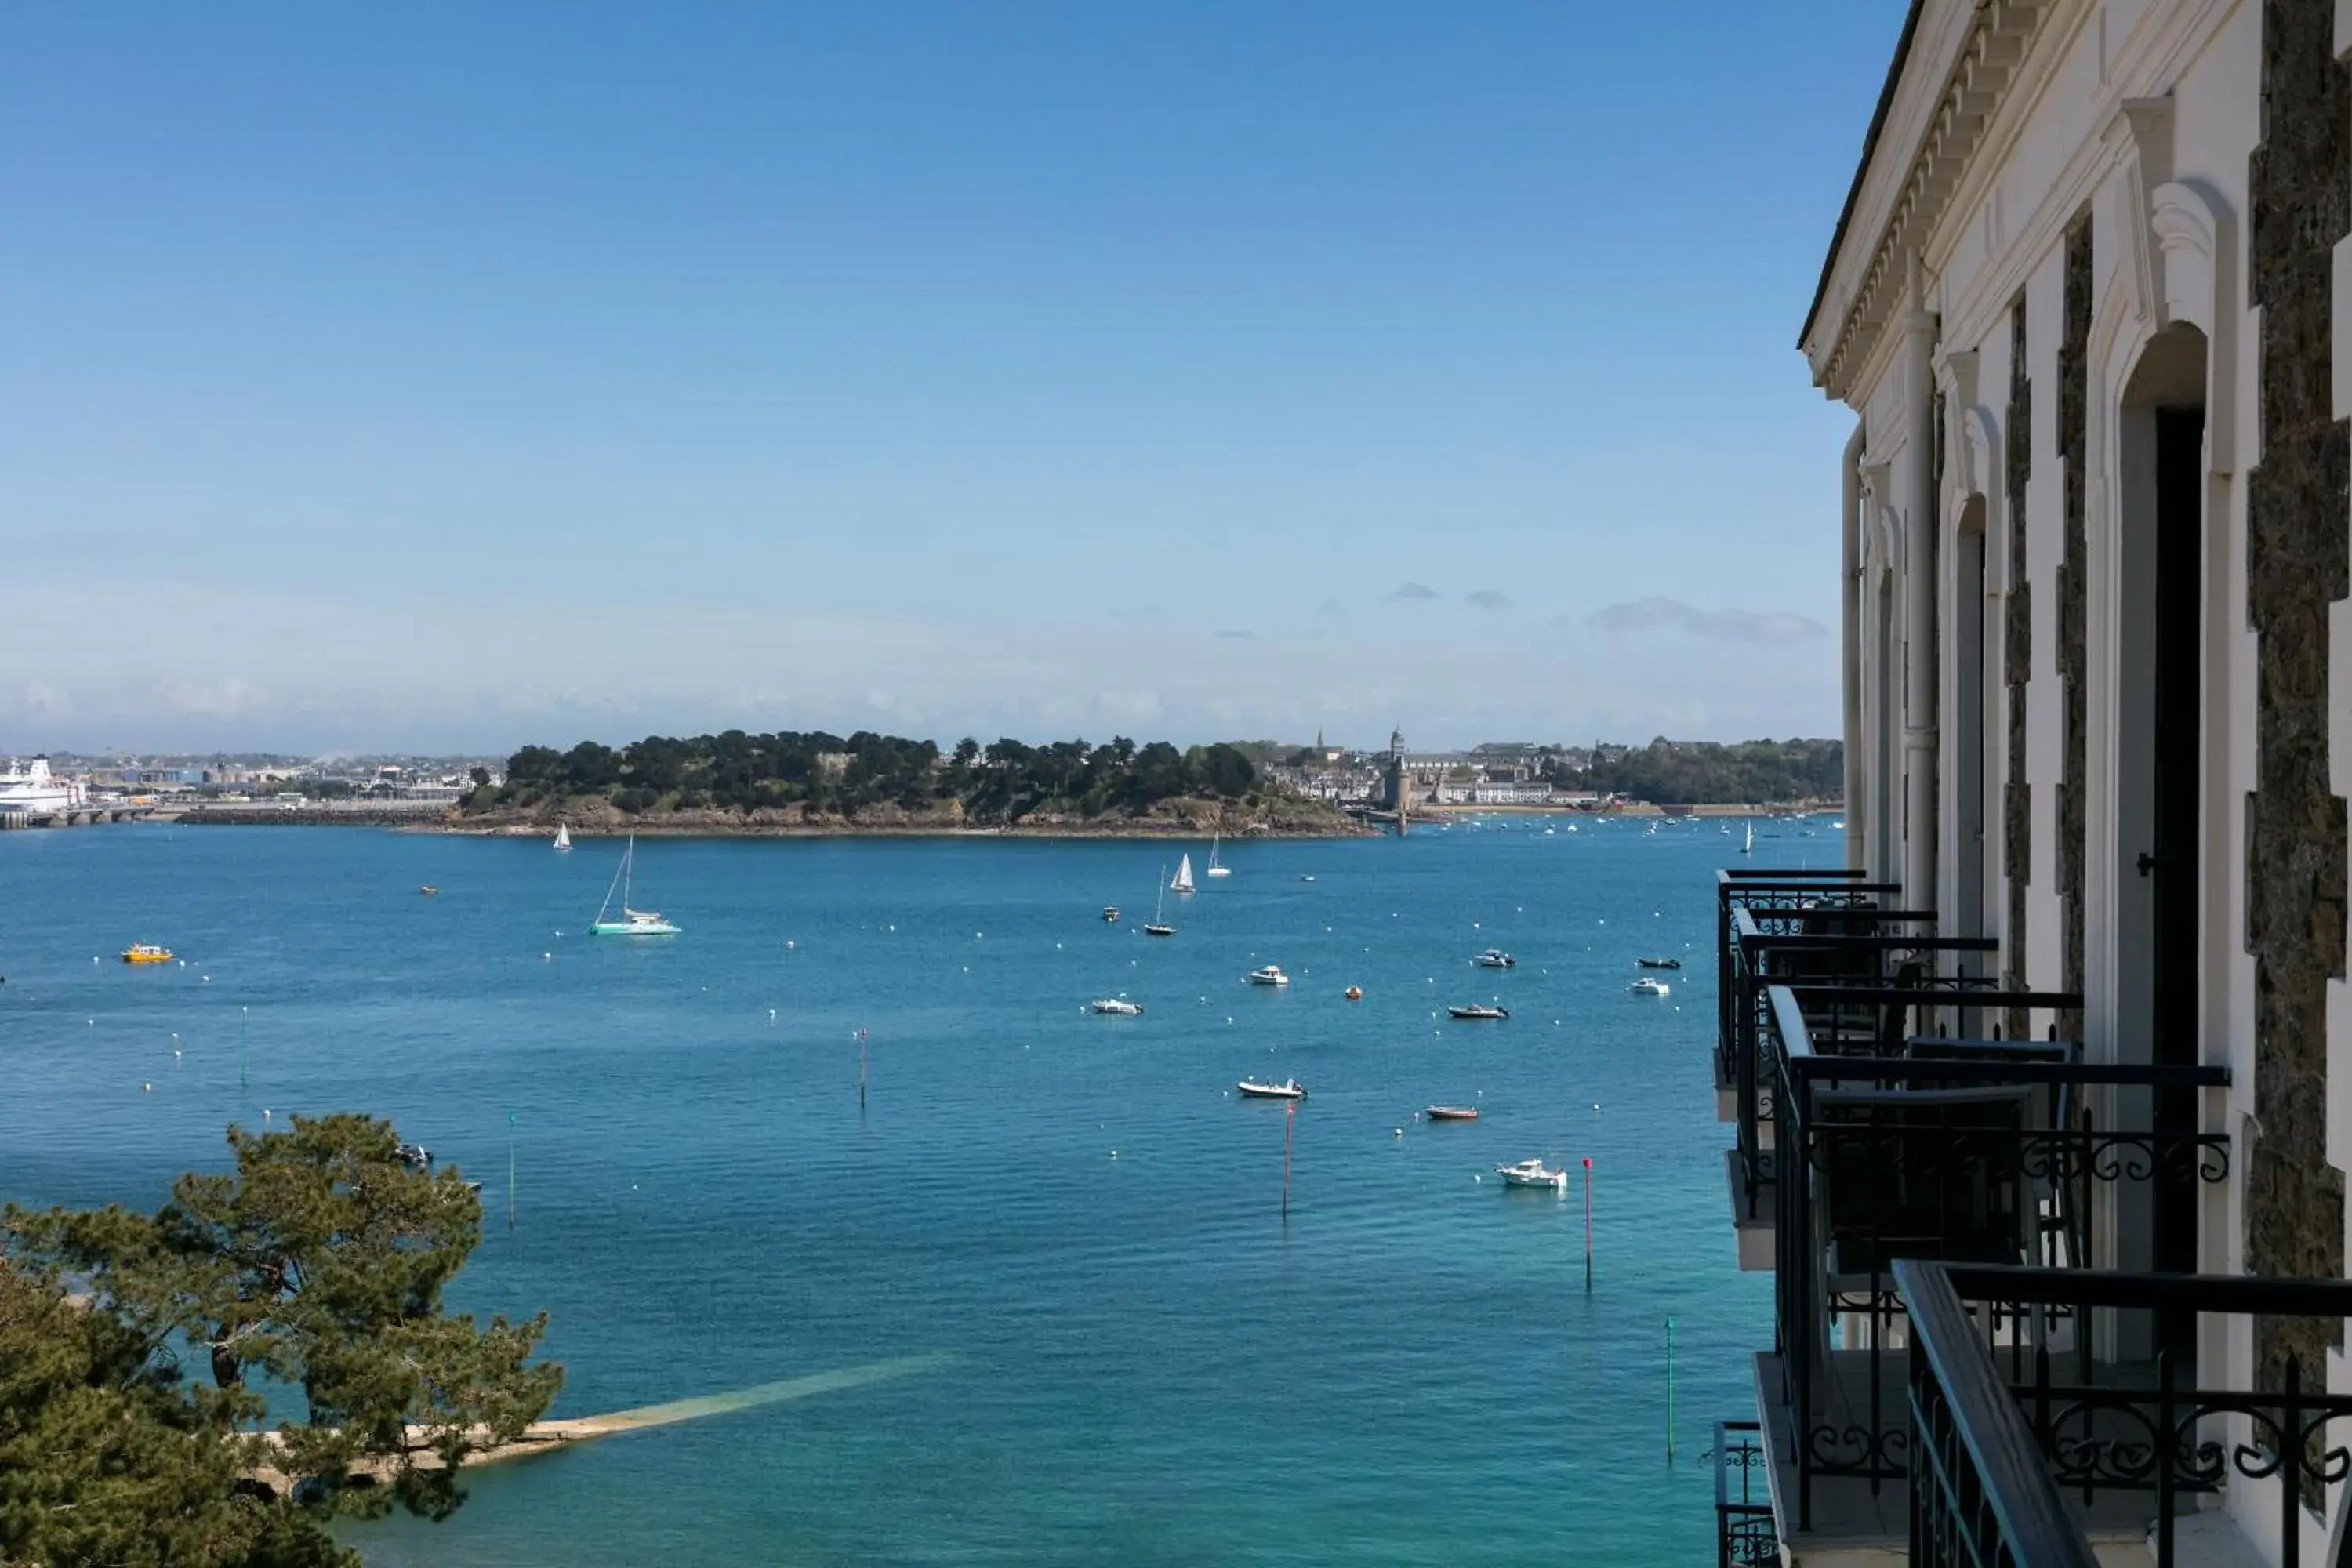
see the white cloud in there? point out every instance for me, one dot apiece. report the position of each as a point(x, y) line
point(1717, 625)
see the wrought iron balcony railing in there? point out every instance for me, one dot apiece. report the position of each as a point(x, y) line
point(1963, 1152)
point(1744, 1536)
point(1767, 891)
point(1884, 956)
point(2023, 1397)
point(1854, 1021)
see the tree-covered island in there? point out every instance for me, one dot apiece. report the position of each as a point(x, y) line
point(817, 782)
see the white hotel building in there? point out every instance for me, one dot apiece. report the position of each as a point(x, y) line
point(2045, 1113)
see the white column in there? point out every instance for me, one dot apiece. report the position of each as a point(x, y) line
point(1850, 525)
point(1919, 607)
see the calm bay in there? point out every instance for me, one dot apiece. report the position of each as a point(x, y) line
point(1127, 1352)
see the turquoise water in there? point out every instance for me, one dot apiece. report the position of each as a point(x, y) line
point(1137, 1358)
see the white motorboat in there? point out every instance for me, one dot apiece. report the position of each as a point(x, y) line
point(1117, 1008)
point(1479, 1010)
point(1182, 882)
point(1495, 958)
point(562, 836)
point(1268, 975)
point(1647, 987)
point(1532, 1173)
point(1215, 867)
point(1254, 1089)
point(632, 922)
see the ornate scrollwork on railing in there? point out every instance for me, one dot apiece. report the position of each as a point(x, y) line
point(1854, 1449)
point(2088, 1452)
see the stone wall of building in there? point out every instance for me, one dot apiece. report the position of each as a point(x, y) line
point(2073, 655)
point(2300, 186)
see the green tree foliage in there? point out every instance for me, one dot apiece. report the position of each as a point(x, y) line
point(996, 784)
point(1704, 772)
point(308, 1282)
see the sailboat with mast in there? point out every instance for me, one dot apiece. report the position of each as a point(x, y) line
point(1747, 845)
point(632, 922)
point(1214, 867)
point(1183, 880)
point(564, 835)
point(1159, 926)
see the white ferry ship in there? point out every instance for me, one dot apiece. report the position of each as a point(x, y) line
point(34, 791)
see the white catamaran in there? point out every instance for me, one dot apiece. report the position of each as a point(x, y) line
point(1184, 882)
point(632, 922)
point(562, 836)
point(1214, 867)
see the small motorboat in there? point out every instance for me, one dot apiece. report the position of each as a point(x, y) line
point(1659, 963)
point(1452, 1113)
point(1479, 1010)
point(146, 953)
point(1495, 958)
point(1533, 1174)
point(1268, 975)
point(1289, 1088)
point(1157, 929)
point(428, 889)
point(1110, 914)
point(1306, 876)
point(1649, 988)
point(415, 1156)
point(1117, 1008)
point(1354, 993)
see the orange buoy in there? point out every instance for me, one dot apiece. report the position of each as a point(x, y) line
point(1355, 992)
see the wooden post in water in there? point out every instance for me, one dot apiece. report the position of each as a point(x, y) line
point(1588, 1225)
point(1289, 1112)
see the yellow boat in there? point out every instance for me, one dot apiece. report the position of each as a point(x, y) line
point(146, 953)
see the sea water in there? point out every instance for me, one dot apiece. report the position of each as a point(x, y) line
point(1035, 1299)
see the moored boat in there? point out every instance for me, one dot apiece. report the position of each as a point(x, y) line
point(1268, 975)
point(1495, 958)
point(632, 922)
point(1650, 988)
point(1215, 866)
point(1183, 882)
point(1480, 1010)
point(146, 953)
point(1117, 1008)
point(562, 836)
point(1256, 1088)
point(1533, 1174)
point(1452, 1113)
point(1110, 914)
point(1659, 963)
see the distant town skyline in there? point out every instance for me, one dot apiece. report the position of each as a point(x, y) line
point(446, 380)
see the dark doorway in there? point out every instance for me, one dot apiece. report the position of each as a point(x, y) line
point(2178, 778)
point(2160, 804)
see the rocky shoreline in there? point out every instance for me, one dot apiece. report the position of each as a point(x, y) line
point(1171, 819)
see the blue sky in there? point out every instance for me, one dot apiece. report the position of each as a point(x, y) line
point(454, 376)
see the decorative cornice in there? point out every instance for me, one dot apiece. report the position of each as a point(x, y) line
point(1873, 298)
